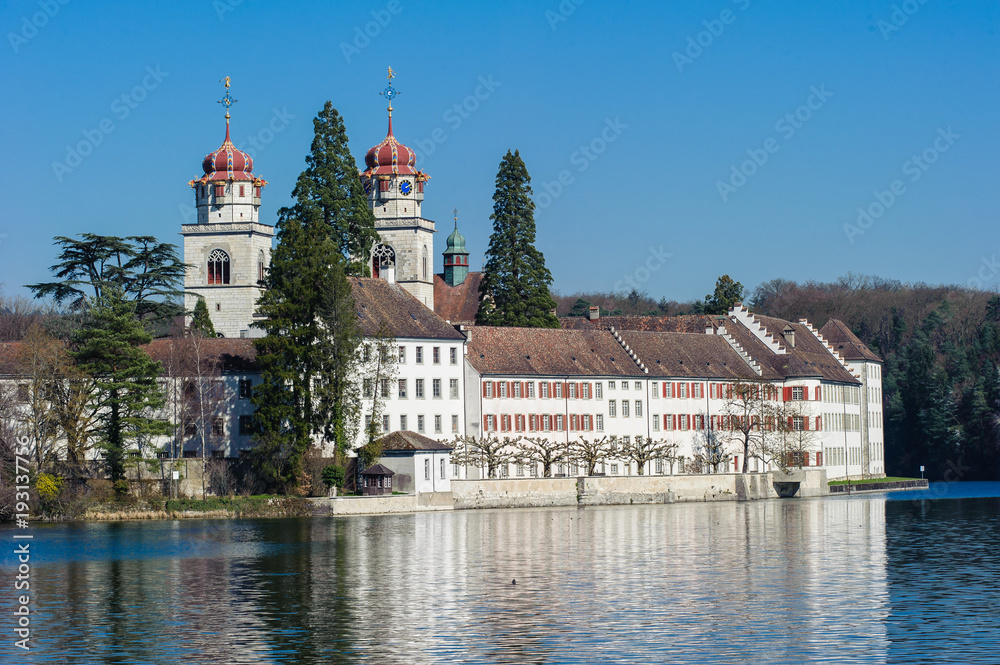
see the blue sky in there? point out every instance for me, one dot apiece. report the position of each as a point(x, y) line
point(668, 142)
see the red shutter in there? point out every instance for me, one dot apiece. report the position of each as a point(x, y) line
point(486, 423)
point(789, 422)
point(485, 393)
point(688, 420)
point(590, 391)
point(786, 394)
point(524, 389)
point(729, 391)
point(805, 423)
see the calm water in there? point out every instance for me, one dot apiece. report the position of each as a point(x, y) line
point(898, 578)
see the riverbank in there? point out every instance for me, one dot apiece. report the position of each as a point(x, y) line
point(159, 509)
point(875, 485)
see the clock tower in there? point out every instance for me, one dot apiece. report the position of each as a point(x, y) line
point(395, 190)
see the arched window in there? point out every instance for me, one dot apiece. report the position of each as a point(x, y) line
point(261, 266)
point(426, 272)
point(383, 256)
point(218, 267)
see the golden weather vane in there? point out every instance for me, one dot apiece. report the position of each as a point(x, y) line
point(227, 101)
point(456, 211)
point(390, 92)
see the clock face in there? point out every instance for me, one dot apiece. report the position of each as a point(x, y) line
point(405, 187)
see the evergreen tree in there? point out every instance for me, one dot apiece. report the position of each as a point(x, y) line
point(201, 322)
point(727, 293)
point(126, 391)
point(515, 287)
point(331, 184)
point(308, 353)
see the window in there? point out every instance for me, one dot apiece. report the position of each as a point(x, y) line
point(682, 390)
point(656, 423)
point(624, 385)
point(218, 267)
point(454, 427)
point(442, 468)
point(668, 422)
point(585, 390)
point(624, 408)
point(246, 388)
point(502, 392)
point(611, 385)
point(261, 266)
point(402, 389)
point(246, 425)
point(242, 190)
point(488, 389)
point(600, 423)
point(402, 355)
point(572, 391)
point(437, 424)
point(656, 390)
point(385, 388)
point(560, 425)
point(402, 423)
point(699, 390)
point(638, 385)
point(598, 390)
point(420, 355)
point(668, 389)
point(612, 409)
point(218, 429)
point(453, 388)
point(545, 390)
point(638, 408)
point(798, 423)
point(559, 392)
point(517, 389)
point(385, 423)
point(437, 389)
point(418, 388)
point(453, 355)
point(366, 389)
point(797, 393)
point(427, 469)
point(437, 355)
point(531, 390)
point(420, 423)
point(368, 422)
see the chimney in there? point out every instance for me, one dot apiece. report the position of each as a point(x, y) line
point(789, 334)
point(595, 313)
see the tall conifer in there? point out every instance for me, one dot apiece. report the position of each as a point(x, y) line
point(515, 287)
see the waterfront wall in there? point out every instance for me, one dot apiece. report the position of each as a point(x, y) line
point(514, 492)
point(382, 505)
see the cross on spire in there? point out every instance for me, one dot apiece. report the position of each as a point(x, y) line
point(456, 211)
point(389, 93)
point(227, 101)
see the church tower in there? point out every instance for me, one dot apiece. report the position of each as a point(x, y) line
point(228, 250)
point(456, 257)
point(395, 190)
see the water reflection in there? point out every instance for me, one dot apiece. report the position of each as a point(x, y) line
point(837, 580)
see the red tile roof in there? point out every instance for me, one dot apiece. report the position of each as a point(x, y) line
point(376, 300)
point(548, 352)
point(688, 355)
point(846, 342)
point(460, 303)
point(410, 441)
point(687, 323)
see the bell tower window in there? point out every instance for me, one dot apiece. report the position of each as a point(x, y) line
point(218, 267)
point(383, 257)
point(261, 266)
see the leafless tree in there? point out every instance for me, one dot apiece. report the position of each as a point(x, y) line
point(379, 368)
point(751, 419)
point(488, 453)
point(644, 449)
point(590, 452)
point(710, 449)
point(797, 438)
point(540, 450)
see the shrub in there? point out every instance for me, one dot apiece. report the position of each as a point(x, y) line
point(333, 476)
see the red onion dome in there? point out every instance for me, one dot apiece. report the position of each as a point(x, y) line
point(390, 157)
point(227, 163)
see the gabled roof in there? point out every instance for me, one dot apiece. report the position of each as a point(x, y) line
point(457, 304)
point(376, 300)
point(378, 470)
point(230, 354)
point(548, 352)
point(688, 323)
point(410, 441)
point(846, 343)
point(693, 355)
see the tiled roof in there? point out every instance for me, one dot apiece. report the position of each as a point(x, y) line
point(846, 342)
point(378, 470)
point(410, 441)
point(232, 354)
point(808, 358)
point(376, 300)
point(688, 323)
point(460, 303)
point(548, 352)
point(688, 355)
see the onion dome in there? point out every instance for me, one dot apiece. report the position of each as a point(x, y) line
point(227, 163)
point(390, 157)
point(455, 243)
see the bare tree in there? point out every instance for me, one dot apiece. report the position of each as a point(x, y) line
point(590, 452)
point(487, 453)
point(644, 449)
point(540, 450)
point(797, 439)
point(43, 361)
point(751, 417)
point(379, 368)
point(710, 449)
point(8, 451)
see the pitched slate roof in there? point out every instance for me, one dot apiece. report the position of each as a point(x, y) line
point(846, 342)
point(410, 441)
point(459, 303)
point(548, 352)
point(376, 300)
point(689, 355)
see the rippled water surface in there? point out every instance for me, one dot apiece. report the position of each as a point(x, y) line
point(898, 578)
